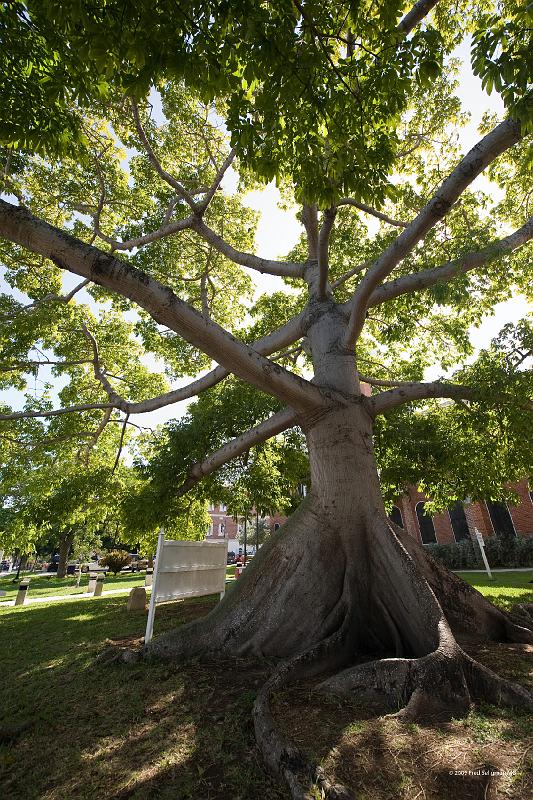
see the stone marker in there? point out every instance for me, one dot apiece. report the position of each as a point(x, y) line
point(99, 588)
point(78, 577)
point(137, 599)
point(148, 578)
point(92, 582)
point(22, 592)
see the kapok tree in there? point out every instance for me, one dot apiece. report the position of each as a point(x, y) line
point(351, 107)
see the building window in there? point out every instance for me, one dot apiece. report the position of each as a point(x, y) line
point(277, 526)
point(425, 523)
point(210, 507)
point(459, 523)
point(396, 517)
point(502, 522)
point(221, 529)
point(210, 530)
point(222, 507)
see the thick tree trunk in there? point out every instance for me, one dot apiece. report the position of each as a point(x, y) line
point(340, 587)
point(65, 544)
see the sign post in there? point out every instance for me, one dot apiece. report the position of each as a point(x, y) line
point(481, 543)
point(151, 607)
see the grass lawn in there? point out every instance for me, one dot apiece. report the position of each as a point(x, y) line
point(47, 586)
point(151, 730)
point(41, 586)
point(506, 589)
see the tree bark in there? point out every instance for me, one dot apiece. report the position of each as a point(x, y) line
point(65, 544)
point(339, 587)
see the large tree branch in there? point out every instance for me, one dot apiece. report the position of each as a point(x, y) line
point(21, 227)
point(271, 343)
point(56, 412)
point(323, 250)
point(260, 433)
point(429, 277)
point(420, 10)
point(290, 269)
point(490, 147)
point(348, 201)
point(410, 392)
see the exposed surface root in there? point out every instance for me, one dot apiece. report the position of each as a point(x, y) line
point(321, 598)
point(281, 756)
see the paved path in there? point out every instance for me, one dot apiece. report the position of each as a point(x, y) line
point(81, 596)
point(497, 569)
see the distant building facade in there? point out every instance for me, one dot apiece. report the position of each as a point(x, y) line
point(458, 523)
point(224, 526)
point(454, 525)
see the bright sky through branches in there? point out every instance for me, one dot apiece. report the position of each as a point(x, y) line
point(278, 231)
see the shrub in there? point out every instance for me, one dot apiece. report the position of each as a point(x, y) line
point(501, 552)
point(116, 560)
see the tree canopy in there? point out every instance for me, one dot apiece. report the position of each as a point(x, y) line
point(127, 126)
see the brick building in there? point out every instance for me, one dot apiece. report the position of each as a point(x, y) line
point(224, 526)
point(458, 523)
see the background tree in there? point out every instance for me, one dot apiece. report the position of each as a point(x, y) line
point(351, 108)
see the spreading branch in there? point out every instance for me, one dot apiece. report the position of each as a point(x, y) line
point(480, 156)
point(410, 392)
point(21, 227)
point(289, 269)
point(430, 277)
point(323, 250)
point(348, 201)
point(282, 337)
point(415, 15)
point(163, 174)
point(260, 433)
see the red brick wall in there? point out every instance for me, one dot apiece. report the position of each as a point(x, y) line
point(522, 514)
point(477, 515)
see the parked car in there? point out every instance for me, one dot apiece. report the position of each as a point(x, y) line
point(231, 557)
point(5, 566)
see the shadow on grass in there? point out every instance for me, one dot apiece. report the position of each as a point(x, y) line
point(122, 731)
point(152, 730)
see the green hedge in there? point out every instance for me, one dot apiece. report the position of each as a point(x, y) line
point(501, 552)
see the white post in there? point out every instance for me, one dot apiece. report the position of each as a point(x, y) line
point(151, 608)
point(481, 543)
point(223, 592)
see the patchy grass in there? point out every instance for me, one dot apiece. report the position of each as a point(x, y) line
point(488, 755)
point(185, 732)
point(506, 589)
point(117, 731)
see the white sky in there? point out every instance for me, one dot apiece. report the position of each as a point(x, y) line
point(278, 231)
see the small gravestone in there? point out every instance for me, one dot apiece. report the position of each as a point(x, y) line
point(22, 592)
point(78, 577)
point(92, 582)
point(99, 588)
point(137, 599)
point(148, 578)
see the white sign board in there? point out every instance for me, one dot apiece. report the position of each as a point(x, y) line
point(186, 569)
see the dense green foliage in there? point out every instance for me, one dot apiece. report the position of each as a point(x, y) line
point(327, 100)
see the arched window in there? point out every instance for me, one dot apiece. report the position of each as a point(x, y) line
point(396, 516)
point(425, 522)
point(501, 519)
point(459, 523)
point(277, 526)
